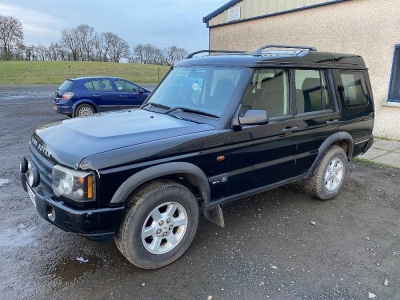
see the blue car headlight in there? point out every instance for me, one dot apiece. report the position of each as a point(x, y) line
point(75, 185)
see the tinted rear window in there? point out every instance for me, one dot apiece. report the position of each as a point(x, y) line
point(66, 86)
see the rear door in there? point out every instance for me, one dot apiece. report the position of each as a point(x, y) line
point(316, 113)
point(102, 93)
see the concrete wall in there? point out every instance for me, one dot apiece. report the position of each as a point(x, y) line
point(367, 27)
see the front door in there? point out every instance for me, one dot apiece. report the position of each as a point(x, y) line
point(263, 155)
point(129, 95)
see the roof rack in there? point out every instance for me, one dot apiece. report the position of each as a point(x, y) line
point(214, 51)
point(258, 52)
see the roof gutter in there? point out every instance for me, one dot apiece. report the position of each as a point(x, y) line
point(220, 10)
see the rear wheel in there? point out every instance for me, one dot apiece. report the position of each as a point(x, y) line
point(84, 110)
point(159, 225)
point(329, 175)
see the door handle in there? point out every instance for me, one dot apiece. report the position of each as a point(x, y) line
point(123, 97)
point(332, 122)
point(290, 129)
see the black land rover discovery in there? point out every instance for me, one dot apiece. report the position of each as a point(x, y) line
point(218, 128)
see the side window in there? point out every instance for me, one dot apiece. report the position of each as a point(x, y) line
point(311, 91)
point(268, 90)
point(354, 89)
point(89, 86)
point(125, 86)
point(102, 85)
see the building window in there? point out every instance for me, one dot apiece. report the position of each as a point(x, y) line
point(394, 89)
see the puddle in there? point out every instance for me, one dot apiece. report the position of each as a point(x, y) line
point(76, 267)
point(4, 181)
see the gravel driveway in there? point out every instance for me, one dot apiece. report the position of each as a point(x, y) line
point(276, 245)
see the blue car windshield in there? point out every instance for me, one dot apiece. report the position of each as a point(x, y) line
point(206, 89)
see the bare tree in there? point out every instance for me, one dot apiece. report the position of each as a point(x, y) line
point(11, 35)
point(99, 47)
point(56, 52)
point(116, 47)
point(41, 52)
point(70, 42)
point(85, 35)
point(147, 54)
point(173, 54)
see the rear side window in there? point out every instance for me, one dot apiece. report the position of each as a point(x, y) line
point(354, 89)
point(66, 86)
point(89, 86)
point(311, 91)
point(268, 90)
point(102, 85)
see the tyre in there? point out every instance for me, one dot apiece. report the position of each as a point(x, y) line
point(84, 110)
point(160, 223)
point(329, 175)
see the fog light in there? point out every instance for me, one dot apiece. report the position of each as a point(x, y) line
point(33, 177)
point(51, 213)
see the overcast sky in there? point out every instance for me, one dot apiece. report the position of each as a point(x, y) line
point(161, 23)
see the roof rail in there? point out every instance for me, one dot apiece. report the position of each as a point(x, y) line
point(213, 51)
point(258, 52)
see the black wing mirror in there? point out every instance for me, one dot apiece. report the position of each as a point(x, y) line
point(252, 117)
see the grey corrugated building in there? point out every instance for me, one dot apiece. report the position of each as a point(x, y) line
point(367, 27)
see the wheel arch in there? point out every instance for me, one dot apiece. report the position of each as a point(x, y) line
point(341, 139)
point(193, 173)
point(84, 101)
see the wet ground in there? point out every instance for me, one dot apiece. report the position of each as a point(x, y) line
point(276, 245)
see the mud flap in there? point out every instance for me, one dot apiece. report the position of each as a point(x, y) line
point(215, 215)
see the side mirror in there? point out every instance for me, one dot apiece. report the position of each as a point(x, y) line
point(252, 117)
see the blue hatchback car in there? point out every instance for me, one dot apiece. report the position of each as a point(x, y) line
point(88, 95)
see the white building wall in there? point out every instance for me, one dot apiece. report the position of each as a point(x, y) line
point(366, 27)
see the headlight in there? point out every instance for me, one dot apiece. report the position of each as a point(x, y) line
point(76, 185)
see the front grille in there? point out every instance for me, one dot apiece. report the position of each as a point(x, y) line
point(43, 165)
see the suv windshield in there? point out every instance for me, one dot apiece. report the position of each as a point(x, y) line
point(205, 89)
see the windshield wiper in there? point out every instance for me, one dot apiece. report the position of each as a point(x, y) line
point(195, 111)
point(157, 105)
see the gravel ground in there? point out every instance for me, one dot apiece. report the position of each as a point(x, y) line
point(276, 245)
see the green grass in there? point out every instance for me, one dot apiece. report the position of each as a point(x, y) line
point(42, 72)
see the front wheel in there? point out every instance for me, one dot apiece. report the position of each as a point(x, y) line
point(329, 175)
point(159, 225)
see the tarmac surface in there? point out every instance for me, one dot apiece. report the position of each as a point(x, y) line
point(281, 244)
point(384, 152)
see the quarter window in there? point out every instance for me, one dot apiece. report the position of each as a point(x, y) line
point(354, 89)
point(311, 91)
point(268, 90)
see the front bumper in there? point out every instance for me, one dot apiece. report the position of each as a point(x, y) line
point(98, 224)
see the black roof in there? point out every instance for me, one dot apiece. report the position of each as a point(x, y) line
point(298, 56)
